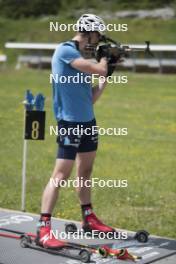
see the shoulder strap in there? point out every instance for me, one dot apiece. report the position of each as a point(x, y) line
point(76, 43)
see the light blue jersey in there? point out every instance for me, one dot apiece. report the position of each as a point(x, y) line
point(71, 101)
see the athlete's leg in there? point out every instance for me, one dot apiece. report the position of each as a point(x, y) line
point(62, 171)
point(84, 166)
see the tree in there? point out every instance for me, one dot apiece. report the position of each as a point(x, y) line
point(26, 8)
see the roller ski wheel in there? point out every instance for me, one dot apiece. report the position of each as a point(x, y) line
point(142, 236)
point(85, 255)
point(70, 228)
point(25, 241)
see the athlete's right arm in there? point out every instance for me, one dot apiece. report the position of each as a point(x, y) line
point(90, 67)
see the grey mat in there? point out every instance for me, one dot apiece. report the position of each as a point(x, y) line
point(157, 249)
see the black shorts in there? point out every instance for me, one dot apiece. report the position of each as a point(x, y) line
point(75, 137)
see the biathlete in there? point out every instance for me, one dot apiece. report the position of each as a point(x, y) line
point(73, 106)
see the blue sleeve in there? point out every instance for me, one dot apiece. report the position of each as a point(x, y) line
point(69, 53)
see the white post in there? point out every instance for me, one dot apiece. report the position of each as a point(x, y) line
point(23, 191)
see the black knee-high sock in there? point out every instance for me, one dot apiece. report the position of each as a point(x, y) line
point(45, 219)
point(86, 210)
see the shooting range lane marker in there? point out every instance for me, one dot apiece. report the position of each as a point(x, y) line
point(33, 129)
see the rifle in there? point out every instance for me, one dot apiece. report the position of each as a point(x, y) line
point(112, 49)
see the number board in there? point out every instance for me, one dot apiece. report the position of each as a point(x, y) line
point(35, 125)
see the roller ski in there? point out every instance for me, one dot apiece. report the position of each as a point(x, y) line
point(91, 225)
point(66, 249)
point(51, 245)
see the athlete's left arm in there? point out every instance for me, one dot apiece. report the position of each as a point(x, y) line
point(98, 90)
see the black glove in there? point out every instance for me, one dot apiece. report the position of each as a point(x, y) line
point(111, 67)
point(102, 51)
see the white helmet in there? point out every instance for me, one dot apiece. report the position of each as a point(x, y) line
point(90, 22)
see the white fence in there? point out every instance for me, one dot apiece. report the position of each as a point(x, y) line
point(164, 59)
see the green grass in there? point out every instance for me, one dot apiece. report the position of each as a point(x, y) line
point(145, 157)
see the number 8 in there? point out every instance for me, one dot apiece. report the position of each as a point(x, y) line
point(35, 130)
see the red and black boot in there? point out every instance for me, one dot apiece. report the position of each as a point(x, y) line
point(45, 237)
point(91, 222)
